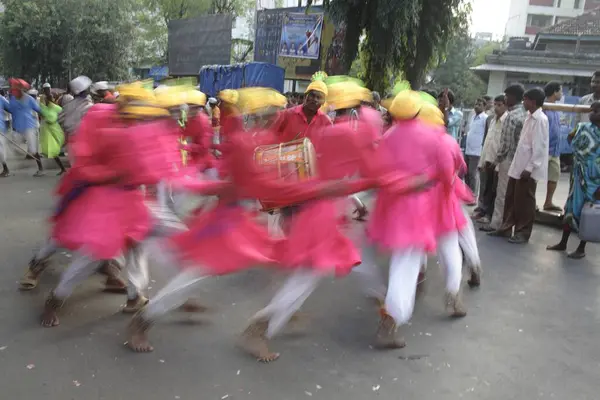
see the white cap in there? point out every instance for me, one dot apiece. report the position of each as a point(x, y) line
point(32, 92)
point(102, 85)
point(212, 100)
point(80, 84)
point(46, 85)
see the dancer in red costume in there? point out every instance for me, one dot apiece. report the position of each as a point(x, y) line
point(227, 229)
point(342, 150)
point(102, 212)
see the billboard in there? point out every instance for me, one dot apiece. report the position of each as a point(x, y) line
point(268, 46)
point(195, 42)
point(301, 35)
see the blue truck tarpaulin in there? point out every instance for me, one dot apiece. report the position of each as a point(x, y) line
point(214, 78)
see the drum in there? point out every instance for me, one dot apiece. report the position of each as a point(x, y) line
point(293, 161)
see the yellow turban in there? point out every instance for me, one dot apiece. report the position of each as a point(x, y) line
point(171, 96)
point(143, 112)
point(406, 105)
point(347, 95)
point(138, 102)
point(431, 114)
point(229, 96)
point(134, 92)
point(257, 100)
point(195, 98)
point(317, 86)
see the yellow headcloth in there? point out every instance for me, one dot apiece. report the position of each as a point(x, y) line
point(229, 96)
point(347, 95)
point(171, 96)
point(137, 102)
point(317, 86)
point(259, 100)
point(406, 105)
point(195, 98)
point(431, 114)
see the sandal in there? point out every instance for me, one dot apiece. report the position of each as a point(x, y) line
point(5, 174)
point(39, 174)
point(553, 208)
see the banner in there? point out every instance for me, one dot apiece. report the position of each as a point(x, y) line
point(301, 35)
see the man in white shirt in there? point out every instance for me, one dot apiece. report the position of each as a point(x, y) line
point(491, 144)
point(529, 165)
point(474, 144)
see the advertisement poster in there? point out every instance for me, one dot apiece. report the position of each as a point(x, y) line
point(301, 35)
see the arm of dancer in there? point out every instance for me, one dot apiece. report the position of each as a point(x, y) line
point(210, 188)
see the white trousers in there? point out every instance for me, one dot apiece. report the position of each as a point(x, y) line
point(369, 274)
point(136, 266)
point(3, 148)
point(288, 299)
point(451, 261)
point(174, 294)
point(402, 286)
point(31, 137)
point(468, 243)
point(46, 251)
point(81, 268)
point(503, 177)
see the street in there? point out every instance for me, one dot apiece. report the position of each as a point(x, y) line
point(531, 331)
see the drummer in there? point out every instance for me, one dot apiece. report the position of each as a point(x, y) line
point(307, 119)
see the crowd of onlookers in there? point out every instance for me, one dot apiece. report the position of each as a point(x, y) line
point(511, 144)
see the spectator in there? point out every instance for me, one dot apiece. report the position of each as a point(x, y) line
point(474, 144)
point(529, 165)
point(486, 162)
point(511, 131)
point(586, 178)
point(452, 116)
point(489, 105)
point(553, 92)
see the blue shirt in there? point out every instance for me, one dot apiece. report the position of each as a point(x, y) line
point(474, 142)
point(22, 112)
point(3, 107)
point(554, 135)
point(454, 120)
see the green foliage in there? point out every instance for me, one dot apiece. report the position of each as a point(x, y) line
point(482, 52)
point(454, 73)
point(401, 37)
point(53, 40)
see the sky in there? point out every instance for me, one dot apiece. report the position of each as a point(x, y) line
point(489, 16)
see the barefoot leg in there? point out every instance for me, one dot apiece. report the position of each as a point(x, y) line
point(386, 333)
point(114, 283)
point(134, 305)
point(138, 334)
point(49, 316)
point(192, 306)
point(255, 343)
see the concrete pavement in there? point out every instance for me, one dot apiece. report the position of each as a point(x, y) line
point(531, 332)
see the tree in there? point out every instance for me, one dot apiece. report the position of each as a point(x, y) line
point(56, 40)
point(454, 73)
point(482, 52)
point(405, 36)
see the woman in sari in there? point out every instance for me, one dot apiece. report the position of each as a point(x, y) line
point(585, 179)
point(52, 137)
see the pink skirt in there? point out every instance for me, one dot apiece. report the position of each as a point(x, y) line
point(224, 240)
point(101, 220)
point(316, 240)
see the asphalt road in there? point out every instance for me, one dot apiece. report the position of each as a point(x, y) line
point(531, 332)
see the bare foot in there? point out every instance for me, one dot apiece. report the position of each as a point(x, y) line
point(475, 280)
point(455, 306)
point(386, 334)
point(191, 306)
point(576, 255)
point(254, 342)
point(29, 281)
point(49, 316)
point(135, 305)
point(115, 285)
point(557, 247)
point(138, 335)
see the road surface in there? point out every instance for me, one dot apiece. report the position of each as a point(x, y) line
point(531, 332)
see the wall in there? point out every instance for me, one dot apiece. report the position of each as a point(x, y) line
point(520, 9)
point(496, 83)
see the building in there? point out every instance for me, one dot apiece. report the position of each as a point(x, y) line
point(568, 52)
point(527, 18)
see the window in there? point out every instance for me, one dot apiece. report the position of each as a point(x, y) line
point(539, 21)
point(577, 4)
point(543, 3)
point(561, 19)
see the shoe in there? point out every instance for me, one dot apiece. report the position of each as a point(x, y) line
point(499, 233)
point(517, 239)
